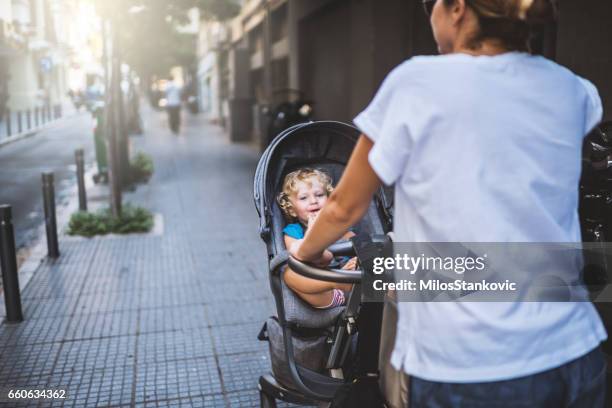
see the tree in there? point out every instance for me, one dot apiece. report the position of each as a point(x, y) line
point(147, 30)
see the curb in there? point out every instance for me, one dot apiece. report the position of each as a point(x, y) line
point(31, 132)
point(20, 136)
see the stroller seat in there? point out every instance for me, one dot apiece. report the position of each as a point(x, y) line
point(301, 315)
point(308, 347)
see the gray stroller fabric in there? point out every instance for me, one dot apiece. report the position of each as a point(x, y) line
point(308, 352)
point(301, 314)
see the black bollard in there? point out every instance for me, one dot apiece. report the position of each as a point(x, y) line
point(37, 116)
point(79, 155)
point(9, 131)
point(50, 220)
point(8, 262)
point(29, 119)
point(19, 124)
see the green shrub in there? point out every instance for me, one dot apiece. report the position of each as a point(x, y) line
point(132, 219)
point(142, 167)
point(87, 224)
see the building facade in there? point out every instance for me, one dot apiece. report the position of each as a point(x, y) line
point(337, 52)
point(32, 53)
point(212, 75)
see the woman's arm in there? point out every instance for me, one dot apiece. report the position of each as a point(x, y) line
point(345, 206)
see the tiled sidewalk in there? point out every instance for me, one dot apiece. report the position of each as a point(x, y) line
point(154, 320)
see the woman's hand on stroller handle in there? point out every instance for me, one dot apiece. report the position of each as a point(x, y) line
point(317, 269)
point(322, 261)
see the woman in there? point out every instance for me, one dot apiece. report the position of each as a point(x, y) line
point(483, 145)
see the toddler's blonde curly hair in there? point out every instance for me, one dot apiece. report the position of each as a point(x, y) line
point(290, 187)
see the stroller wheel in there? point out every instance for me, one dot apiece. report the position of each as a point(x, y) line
point(266, 401)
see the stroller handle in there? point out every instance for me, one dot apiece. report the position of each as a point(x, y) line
point(328, 275)
point(342, 248)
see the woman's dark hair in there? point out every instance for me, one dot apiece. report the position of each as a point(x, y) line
point(508, 21)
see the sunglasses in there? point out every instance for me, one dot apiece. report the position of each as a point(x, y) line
point(428, 6)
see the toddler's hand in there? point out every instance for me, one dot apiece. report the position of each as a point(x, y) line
point(351, 265)
point(312, 218)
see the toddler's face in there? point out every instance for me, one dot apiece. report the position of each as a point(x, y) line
point(308, 199)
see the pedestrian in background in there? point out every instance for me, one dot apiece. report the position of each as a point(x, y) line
point(483, 145)
point(173, 105)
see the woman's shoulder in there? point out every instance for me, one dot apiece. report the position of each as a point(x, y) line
point(425, 63)
point(420, 68)
point(563, 73)
point(431, 69)
point(412, 65)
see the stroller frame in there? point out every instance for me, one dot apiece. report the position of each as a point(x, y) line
point(313, 144)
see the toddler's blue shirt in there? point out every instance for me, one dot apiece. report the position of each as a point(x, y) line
point(294, 230)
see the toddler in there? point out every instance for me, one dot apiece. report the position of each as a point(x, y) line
point(304, 194)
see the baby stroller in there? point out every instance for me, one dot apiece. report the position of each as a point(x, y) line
point(315, 353)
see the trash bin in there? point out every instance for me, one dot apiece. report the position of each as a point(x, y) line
point(100, 143)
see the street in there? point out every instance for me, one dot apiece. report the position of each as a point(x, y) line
point(22, 162)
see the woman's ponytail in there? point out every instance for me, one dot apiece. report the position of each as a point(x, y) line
point(538, 11)
point(509, 20)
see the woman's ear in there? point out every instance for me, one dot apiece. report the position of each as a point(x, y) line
point(458, 10)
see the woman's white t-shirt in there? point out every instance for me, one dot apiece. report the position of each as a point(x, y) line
point(484, 149)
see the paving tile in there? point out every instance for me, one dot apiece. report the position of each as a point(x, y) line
point(49, 307)
point(100, 387)
point(177, 379)
point(220, 292)
point(172, 318)
point(244, 399)
point(107, 302)
point(75, 252)
point(242, 371)
point(34, 331)
point(28, 360)
point(54, 282)
point(95, 325)
point(113, 278)
point(173, 274)
point(171, 296)
point(202, 401)
point(238, 338)
point(236, 311)
point(250, 398)
point(174, 345)
point(83, 355)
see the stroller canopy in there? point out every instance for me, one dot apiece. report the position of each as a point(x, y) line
point(325, 145)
